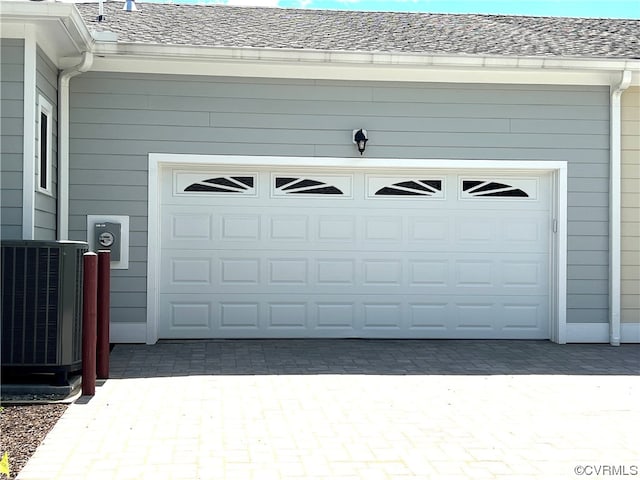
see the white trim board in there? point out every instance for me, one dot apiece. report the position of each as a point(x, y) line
point(599, 333)
point(127, 332)
point(630, 332)
point(29, 136)
point(558, 168)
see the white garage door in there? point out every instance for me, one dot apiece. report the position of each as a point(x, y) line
point(250, 252)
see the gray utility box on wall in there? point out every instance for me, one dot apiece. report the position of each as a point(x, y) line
point(41, 306)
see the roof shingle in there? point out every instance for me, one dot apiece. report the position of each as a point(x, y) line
point(424, 33)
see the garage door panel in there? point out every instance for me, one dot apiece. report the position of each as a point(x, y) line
point(475, 315)
point(387, 273)
point(435, 230)
point(237, 315)
point(429, 273)
point(382, 315)
point(288, 272)
point(191, 271)
point(524, 316)
point(181, 227)
point(509, 233)
point(523, 274)
point(239, 271)
point(240, 227)
point(416, 258)
point(272, 316)
point(331, 228)
point(214, 271)
point(457, 232)
point(288, 227)
point(190, 226)
point(339, 272)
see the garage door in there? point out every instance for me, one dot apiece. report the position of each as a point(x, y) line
point(251, 252)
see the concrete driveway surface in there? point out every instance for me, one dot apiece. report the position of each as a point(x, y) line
point(353, 409)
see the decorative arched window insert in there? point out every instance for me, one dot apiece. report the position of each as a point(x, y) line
point(333, 186)
point(380, 187)
point(517, 188)
point(232, 184)
point(427, 188)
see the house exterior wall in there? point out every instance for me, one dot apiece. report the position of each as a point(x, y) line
point(117, 119)
point(46, 205)
point(11, 131)
point(630, 206)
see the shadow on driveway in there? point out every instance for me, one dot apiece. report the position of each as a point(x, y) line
point(371, 357)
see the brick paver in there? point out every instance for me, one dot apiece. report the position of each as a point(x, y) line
point(353, 409)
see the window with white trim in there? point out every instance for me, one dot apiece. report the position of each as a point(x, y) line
point(44, 169)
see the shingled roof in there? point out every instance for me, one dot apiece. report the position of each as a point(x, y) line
point(424, 33)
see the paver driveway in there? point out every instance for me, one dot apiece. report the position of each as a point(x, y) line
point(353, 409)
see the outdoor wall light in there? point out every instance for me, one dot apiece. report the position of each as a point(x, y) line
point(360, 139)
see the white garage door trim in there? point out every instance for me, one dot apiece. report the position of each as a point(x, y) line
point(559, 211)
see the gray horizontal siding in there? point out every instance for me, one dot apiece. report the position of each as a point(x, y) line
point(11, 130)
point(306, 136)
point(46, 205)
point(117, 119)
point(302, 107)
point(178, 145)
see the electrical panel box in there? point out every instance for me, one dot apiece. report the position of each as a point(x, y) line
point(108, 236)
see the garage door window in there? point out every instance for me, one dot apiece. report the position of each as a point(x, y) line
point(490, 188)
point(405, 187)
point(228, 184)
point(288, 185)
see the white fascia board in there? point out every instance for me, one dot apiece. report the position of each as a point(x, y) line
point(337, 65)
point(363, 72)
point(60, 29)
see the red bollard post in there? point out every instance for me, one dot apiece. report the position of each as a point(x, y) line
point(89, 323)
point(104, 289)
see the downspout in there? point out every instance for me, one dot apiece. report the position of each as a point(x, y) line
point(615, 210)
point(63, 141)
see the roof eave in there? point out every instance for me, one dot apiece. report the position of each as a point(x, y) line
point(59, 27)
point(355, 65)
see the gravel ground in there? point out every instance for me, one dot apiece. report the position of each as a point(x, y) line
point(22, 429)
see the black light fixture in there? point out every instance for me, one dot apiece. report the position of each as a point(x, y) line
point(360, 139)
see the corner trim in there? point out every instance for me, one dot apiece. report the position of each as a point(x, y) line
point(29, 135)
point(587, 332)
point(630, 332)
point(127, 332)
point(153, 250)
point(599, 333)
